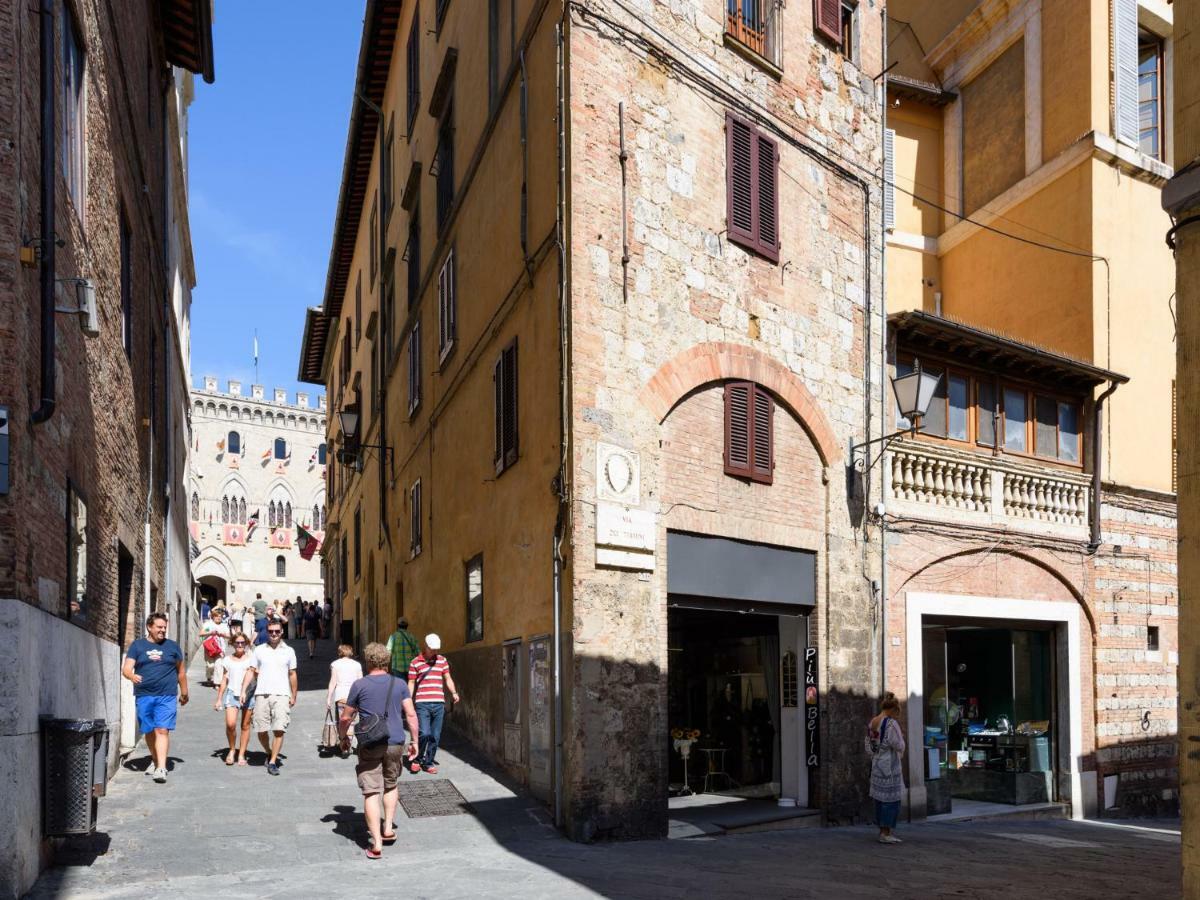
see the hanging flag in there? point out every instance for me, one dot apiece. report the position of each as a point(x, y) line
point(306, 541)
point(256, 348)
point(221, 445)
point(266, 454)
point(193, 549)
point(312, 459)
point(252, 522)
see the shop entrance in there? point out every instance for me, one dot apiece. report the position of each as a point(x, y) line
point(724, 697)
point(990, 721)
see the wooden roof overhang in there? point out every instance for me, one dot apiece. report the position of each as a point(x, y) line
point(922, 333)
point(380, 23)
point(187, 35)
point(921, 91)
point(312, 346)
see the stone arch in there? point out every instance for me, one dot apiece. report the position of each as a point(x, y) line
point(1070, 588)
point(198, 406)
point(211, 409)
point(719, 361)
point(213, 561)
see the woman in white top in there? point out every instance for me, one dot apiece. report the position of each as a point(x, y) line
point(343, 672)
point(230, 672)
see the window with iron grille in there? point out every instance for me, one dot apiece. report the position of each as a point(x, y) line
point(474, 585)
point(755, 24)
point(505, 382)
point(386, 173)
point(414, 518)
point(357, 309)
point(414, 367)
point(447, 307)
point(752, 186)
point(280, 567)
point(374, 242)
point(357, 542)
point(445, 167)
point(412, 67)
point(749, 432)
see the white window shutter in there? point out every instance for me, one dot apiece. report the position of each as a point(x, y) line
point(889, 179)
point(1125, 71)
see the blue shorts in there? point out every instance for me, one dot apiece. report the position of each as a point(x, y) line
point(156, 712)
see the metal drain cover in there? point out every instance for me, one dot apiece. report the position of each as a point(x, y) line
point(432, 798)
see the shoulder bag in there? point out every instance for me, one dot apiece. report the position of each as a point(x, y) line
point(376, 730)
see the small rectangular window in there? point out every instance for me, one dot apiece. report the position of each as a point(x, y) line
point(412, 67)
point(474, 584)
point(1150, 95)
point(504, 379)
point(1152, 637)
point(413, 256)
point(414, 518)
point(74, 111)
point(1068, 432)
point(849, 32)
point(126, 286)
point(1045, 437)
point(985, 414)
point(1016, 420)
point(357, 310)
point(445, 168)
point(414, 367)
point(958, 403)
point(447, 307)
point(357, 542)
point(387, 173)
point(374, 240)
point(934, 421)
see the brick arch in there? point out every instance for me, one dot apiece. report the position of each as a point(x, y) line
point(719, 361)
point(1062, 579)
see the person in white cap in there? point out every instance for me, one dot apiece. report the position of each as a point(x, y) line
point(428, 680)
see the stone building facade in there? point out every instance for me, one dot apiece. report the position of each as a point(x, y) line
point(612, 227)
point(92, 444)
point(256, 457)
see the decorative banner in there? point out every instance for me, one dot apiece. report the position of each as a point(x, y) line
point(194, 528)
point(281, 468)
point(812, 707)
point(233, 535)
point(281, 538)
point(235, 461)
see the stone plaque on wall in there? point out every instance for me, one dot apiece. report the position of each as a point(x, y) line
point(625, 537)
point(618, 474)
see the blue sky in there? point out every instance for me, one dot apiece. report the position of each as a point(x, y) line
point(266, 147)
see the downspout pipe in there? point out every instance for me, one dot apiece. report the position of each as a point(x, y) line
point(46, 246)
point(1097, 455)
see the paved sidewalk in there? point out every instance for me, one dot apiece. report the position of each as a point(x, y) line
point(213, 831)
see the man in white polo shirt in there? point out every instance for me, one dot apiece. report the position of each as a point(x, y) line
point(273, 673)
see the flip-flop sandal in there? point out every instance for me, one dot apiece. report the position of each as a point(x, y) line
point(242, 762)
point(388, 839)
point(229, 760)
point(372, 853)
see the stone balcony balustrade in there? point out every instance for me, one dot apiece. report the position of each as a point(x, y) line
point(933, 481)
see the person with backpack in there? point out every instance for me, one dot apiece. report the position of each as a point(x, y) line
point(403, 647)
point(385, 710)
point(428, 680)
point(885, 743)
point(215, 635)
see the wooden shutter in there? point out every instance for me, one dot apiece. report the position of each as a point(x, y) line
point(510, 405)
point(740, 180)
point(827, 19)
point(737, 428)
point(762, 438)
point(766, 159)
point(1125, 70)
point(498, 387)
point(446, 304)
point(889, 178)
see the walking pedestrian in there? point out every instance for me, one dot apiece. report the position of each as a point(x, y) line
point(214, 635)
point(273, 670)
point(343, 672)
point(428, 680)
point(403, 647)
point(326, 611)
point(157, 668)
point(232, 674)
point(312, 627)
point(260, 611)
point(885, 743)
point(384, 709)
point(298, 618)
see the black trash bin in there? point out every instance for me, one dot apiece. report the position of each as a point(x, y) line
point(74, 770)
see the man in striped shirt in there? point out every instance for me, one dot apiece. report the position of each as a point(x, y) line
point(428, 680)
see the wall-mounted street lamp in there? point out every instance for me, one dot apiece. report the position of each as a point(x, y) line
point(914, 392)
point(350, 452)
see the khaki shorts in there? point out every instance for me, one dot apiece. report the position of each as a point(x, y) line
point(272, 712)
point(378, 767)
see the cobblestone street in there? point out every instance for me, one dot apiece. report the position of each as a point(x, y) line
point(213, 831)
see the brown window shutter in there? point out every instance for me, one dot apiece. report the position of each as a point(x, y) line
point(737, 428)
point(827, 19)
point(763, 437)
point(510, 405)
point(498, 386)
point(740, 180)
point(767, 208)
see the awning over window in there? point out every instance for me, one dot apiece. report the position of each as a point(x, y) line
point(725, 569)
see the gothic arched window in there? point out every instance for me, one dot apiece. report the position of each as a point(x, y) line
point(280, 567)
point(242, 511)
point(280, 448)
point(234, 442)
point(195, 506)
point(225, 510)
point(316, 517)
point(287, 511)
point(271, 514)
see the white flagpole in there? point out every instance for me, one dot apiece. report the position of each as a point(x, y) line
point(256, 356)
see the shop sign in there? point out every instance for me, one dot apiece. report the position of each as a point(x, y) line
point(625, 537)
point(812, 707)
